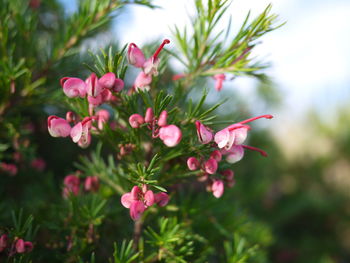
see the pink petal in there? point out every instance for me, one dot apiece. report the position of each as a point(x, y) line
point(93, 87)
point(142, 80)
point(76, 132)
point(136, 192)
point(20, 248)
point(107, 80)
point(216, 155)
point(192, 163)
point(58, 127)
point(217, 188)
point(95, 101)
point(74, 87)
point(170, 135)
point(224, 138)
point(136, 120)
point(162, 121)
point(161, 199)
point(149, 115)
point(211, 166)
point(136, 209)
point(118, 85)
point(204, 135)
point(127, 200)
point(235, 154)
point(149, 198)
point(136, 56)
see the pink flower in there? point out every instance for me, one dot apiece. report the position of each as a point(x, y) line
point(93, 87)
point(211, 166)
point(142, 81)
point(235, 134)
point(170, 135)
point(150, 67)
point(118, 85)
point(193, 163)
point(219, 79)
point(91, 184)
point(135, 56)
point(23, 246)
point(73, 87)
point(39, 164)
point(234, 154)
point(204, 135)
point(95, 101)
point(162, 121)
point(3, 242)
point(161, 199)
point(107, 81)
point(217, 188)
point(71, 185)
point(58, 127)
point(216, 155)
point(228, 174)
point(102, 117)
point(80, 133)
point(9, 168)
point(149, 115)
point(136, 120)
point(137, 201)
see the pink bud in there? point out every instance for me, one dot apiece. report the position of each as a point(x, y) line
point(28, 246)
point(136, 192)
point(192, 163)
point(216, 155)
point(93, 87)
point(118, 85)
point(204, 135)
point(219, 79)
point(161, 199)
point(70, 116)
point(162, 118)
point(211, 166)
point(135, 56)
point(149, 198)
point(38, 164)
point(136, 120)
point(170, 135)
point(3, 242)
point(149, 115)
point(107, 81)
point(102, 117)
point(91, 184)
point(217, 188)
point(73, 87)
point(58, 127)
point(142, 81)
point(136, 209)
point(20, 248)
point(71, 185)
point(235, 154)
point(228, 174)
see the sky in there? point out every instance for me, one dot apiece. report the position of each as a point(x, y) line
point(309, 55)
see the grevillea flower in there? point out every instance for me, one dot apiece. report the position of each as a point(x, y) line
point(219, 79)
point(210, 166)
point(204, 135)
point(71, 185)
point(107, 81)
point(193, 163)
point(136, 120)
point(93, 88)
point(80, 133)
point(58, 127)
point(136, 56)
point(170, 135)
point(73, 87)
point(39, 164)
point(3, 242)
point(161, 199)
point(235, 134)
point(137, 201)
point(162, 121)
point(150, 67)
point(91, 184)
point(23, 246)
point(9, 168)
point(217, 188)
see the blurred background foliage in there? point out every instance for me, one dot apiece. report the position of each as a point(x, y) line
point(292, 207)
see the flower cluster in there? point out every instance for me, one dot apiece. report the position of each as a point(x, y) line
point(138, 200)
point(149, 66)
point(72, 185)
point(18, 245)
point(170, 134)
point(97, 91)
point(228, 142)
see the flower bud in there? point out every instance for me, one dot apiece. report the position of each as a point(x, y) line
point(118, 85)
point(107, 81)
point(192, 163)
point(93, 87)
point(170, 135)
point(135, 56)
point(3, 242)
point(211, 166)
point(136, 120)
point(91, 184)
point(162, 121)
point(204, 135)
point(219, 79)
point(73, 87)
point(161, 199)
point(149, 115)
point(217, 188)
point(216, 155)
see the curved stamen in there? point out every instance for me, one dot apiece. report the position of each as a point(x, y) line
point(267, 116)
point(239, 127)
point(262, 152)
point(165, 41)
